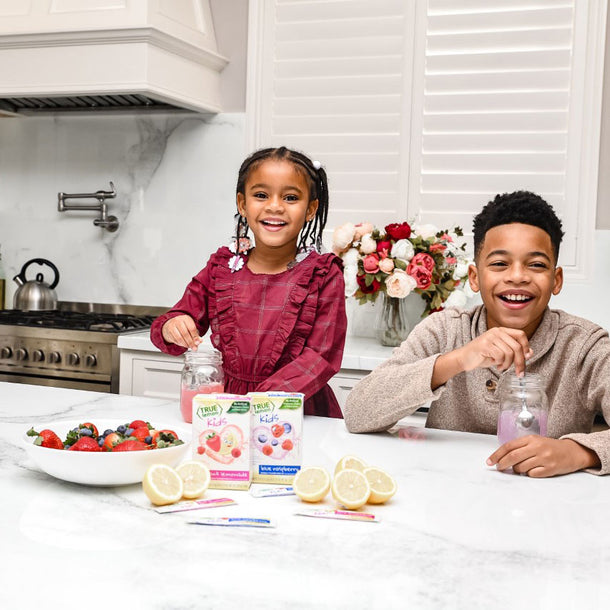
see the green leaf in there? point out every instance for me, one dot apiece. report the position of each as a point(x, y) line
point(400, 264)
point(368, 279)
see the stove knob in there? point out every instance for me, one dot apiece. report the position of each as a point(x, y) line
point(21, 354)
point(54, 357)
point(90, 360)
point(73, 359)
point(37, 355)
point(6, 352)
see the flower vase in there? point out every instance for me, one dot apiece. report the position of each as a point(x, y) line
point(392, 325)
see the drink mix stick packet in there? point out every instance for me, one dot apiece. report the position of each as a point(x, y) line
point(221, 438)
point(276, 436)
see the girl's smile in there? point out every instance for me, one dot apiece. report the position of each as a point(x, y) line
point(516, 275)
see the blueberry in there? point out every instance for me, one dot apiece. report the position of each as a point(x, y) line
point(121, 429)
point(262, 438)
point(148, 440)
point(100, 441)
point(287, 427)
point(85, 432)
point(274, 442)
point(129, 432)
point(107, 432)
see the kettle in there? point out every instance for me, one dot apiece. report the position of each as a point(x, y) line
point(34, 295)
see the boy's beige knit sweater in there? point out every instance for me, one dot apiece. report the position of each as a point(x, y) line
point(572, 356)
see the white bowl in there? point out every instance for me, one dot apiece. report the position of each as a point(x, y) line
point(101, 468)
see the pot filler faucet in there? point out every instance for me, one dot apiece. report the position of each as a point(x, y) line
point(110, 223)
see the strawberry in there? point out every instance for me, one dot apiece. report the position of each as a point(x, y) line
point(277, 430)
point(111, 440)
point(130, 445)
point(138, 423)
point(141, 433)
point(213, 441)
point(267, 449)
point(46, 438)
point(200, 450)
point(164, 438)
point(85, 443)
point(91, 427)
point(287, 445)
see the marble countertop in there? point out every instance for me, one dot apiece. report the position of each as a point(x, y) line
point(361, 353)
point(456, 535)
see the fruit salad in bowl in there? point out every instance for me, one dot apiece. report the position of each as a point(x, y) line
point(104, 452)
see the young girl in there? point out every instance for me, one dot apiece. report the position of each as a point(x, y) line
point(276, 310)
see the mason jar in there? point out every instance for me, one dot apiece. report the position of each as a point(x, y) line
point(201, 374)
point(523, 407)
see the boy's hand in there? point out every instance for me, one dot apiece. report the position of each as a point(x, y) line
point(498, 347)
point(182, 331)
point(538, 456)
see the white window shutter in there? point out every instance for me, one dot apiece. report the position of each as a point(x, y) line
point(428, 109)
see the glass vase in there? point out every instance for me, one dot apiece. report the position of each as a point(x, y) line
point(392, 325)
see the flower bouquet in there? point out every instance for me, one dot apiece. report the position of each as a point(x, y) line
point(401, 259)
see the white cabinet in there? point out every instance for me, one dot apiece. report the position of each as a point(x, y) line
point(151, 374)
point(343, 382)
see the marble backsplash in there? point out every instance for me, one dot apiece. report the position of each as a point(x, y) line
point(175, 179)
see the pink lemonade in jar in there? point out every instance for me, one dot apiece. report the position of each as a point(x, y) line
point(187, 394)
point(508, 429)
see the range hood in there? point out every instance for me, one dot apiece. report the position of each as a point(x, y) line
point(91, 55)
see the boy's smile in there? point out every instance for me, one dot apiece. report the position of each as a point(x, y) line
point(516, 275)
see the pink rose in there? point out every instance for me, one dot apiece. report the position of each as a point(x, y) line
point(421, 275)
point(424, 260)
point(386, 265)
point(437, 247)
point(362, 229)
point(371, 263)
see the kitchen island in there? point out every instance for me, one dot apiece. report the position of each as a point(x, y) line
point(456, 535)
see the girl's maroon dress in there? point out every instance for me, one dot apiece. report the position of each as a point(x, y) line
point(280, 332)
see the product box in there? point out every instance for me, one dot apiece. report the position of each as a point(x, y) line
point(221, 438)
point(276, 436)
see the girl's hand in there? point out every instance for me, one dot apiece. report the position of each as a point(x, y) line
point(182, 331)
point(538, 456)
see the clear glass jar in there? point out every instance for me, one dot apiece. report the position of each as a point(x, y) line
point(202, 374)
point(523, 407)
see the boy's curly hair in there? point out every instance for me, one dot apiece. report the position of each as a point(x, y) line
point(522, 207)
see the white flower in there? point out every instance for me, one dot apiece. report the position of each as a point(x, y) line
point(343, 236)
point(425, 231)
point(457, 299)
point(461, 269)
point(350, 273)
point(403, 250)
point(236, 263)
point(350, 257)
point(399, 284)
point(368, 244)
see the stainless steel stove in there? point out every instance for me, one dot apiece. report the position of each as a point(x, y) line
point(74, 346)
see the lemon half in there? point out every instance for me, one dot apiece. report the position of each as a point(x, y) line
point(162, 485)
point(195, 478)
point(311, 484)
point(383, 486)
point(351, 488)
point(350, 461)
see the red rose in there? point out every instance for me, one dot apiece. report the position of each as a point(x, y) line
point(424, 260)
point(384, 244)
point(421, 275)
point(374, 287)
point(398, 231)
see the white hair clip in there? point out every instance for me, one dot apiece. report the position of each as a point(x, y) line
point(317, 165)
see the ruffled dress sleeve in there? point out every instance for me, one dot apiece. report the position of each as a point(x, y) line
point(194, 302)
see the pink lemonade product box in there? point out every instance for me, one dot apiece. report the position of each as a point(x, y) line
point(276, 436)
point(221, 438)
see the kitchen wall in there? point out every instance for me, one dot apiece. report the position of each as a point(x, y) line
point(175, 177)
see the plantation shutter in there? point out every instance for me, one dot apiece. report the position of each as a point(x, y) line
point(425, 110)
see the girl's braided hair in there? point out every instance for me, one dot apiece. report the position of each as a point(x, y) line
point(317, 183)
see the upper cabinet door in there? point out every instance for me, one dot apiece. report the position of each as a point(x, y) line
point(425, 110)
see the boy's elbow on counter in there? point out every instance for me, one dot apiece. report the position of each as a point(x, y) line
point(355, 419)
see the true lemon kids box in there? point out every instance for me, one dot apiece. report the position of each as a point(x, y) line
point(221, 438)
point(276, 436)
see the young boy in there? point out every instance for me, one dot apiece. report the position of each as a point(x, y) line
point(456, 359)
